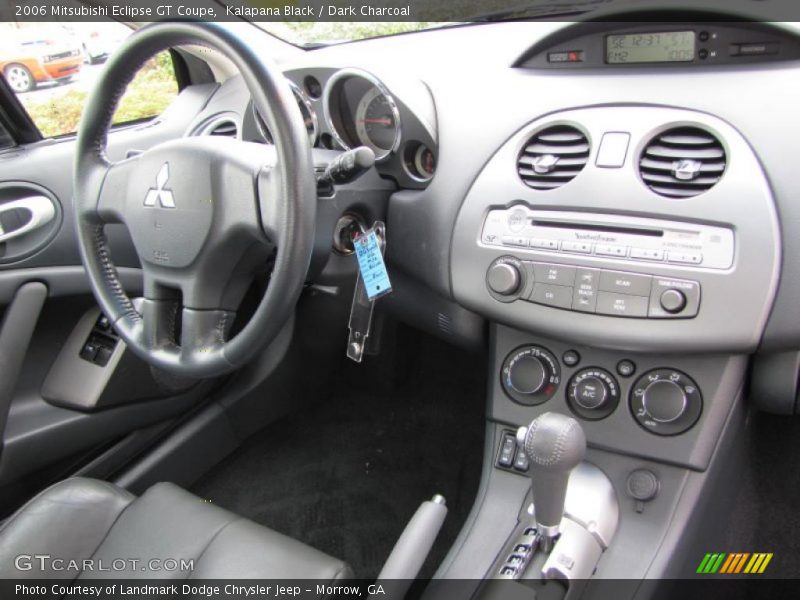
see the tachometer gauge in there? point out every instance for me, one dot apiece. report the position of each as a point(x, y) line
point(360, 111)
point(376, 122)
point(309, 116)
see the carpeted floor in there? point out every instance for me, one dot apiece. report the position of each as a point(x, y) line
point(766, 514)
point(345, 476)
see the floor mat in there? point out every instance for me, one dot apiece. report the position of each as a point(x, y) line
point(346, 475)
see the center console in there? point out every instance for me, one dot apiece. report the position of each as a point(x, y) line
point(627, 258)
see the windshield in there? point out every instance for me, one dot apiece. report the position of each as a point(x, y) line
point(304, 33)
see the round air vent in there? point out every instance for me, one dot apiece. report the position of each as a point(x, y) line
point(682, 162)
point(221, 125)
point(552, 157)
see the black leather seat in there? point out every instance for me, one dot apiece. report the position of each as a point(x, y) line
point(84, 519)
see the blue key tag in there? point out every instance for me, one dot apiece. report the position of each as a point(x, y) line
point(371, 265)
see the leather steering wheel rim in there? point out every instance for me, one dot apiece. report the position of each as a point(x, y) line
point(283, 213)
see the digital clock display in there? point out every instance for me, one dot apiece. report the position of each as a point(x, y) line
point(660, 47)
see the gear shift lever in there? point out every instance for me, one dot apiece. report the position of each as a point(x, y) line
point(554, 444)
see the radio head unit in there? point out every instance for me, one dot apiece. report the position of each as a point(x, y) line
point(631, 239)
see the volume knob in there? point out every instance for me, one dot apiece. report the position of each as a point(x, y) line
point(503, 278)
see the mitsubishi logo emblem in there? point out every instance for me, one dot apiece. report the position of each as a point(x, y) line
point(158, 193)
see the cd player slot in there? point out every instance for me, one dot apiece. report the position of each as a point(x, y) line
point(600, 228)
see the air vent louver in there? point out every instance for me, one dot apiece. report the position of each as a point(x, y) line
point(224, 128)
point(682, 162)
point(223, 125)
point(552, 157)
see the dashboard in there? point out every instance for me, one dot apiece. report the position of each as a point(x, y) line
point(614, 203)
point(619, 189)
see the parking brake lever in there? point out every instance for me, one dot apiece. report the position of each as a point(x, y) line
point(348, 166)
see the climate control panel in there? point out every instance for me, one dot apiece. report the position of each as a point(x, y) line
point(662, 401)
point(590, 290)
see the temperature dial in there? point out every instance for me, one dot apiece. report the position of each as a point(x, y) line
point(593, 393)
point(666, 401)
point(530, 375)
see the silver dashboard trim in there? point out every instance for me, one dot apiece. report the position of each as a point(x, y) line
point(326, 107)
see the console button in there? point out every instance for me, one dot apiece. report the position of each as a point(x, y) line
point(571, 358)
point(544, 244)
point(625, 283)
point(611, 250)
point(673, 301)
point(686, 258)
point(626, 368)
point(622, 305)
point(521, 461)
point(509, 240)
point(555, 274)
point(584, 297)
point(506, 456)
point(647, 254)
point(613, 149)
point(558, 296)
point(578, 247)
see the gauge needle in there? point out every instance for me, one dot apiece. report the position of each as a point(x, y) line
point(386, 121)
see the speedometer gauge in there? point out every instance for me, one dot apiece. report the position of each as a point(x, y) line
point(360, 111)
point(376, 121)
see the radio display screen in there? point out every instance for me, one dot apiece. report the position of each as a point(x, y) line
point(659, 47)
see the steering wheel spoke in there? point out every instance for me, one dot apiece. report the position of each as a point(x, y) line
point(204, 333)
point(113, 192)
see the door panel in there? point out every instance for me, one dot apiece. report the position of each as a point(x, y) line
point(65, 410)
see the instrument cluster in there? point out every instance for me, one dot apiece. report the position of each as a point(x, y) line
point(347, 108)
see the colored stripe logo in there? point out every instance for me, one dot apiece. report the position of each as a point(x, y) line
point(734, 563)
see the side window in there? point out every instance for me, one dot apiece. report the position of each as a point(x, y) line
point(53, 66)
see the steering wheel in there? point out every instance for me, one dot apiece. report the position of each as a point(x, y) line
point(203, 213)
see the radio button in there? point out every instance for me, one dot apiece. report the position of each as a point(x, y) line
point(509, 240)
point(584, 298)
point(578, 247)
point(558, 296)
point(622, 305)
point(544, 244)
point(611, 250)
point(626, 283)
point(647, 254)
point(662, 286)
point(686, 258)
point(555, 274)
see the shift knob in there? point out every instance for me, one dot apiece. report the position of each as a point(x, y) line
point(554, 444)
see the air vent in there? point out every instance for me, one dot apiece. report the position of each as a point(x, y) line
point(221, 126)
point(553, 157)
point(682, 162)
